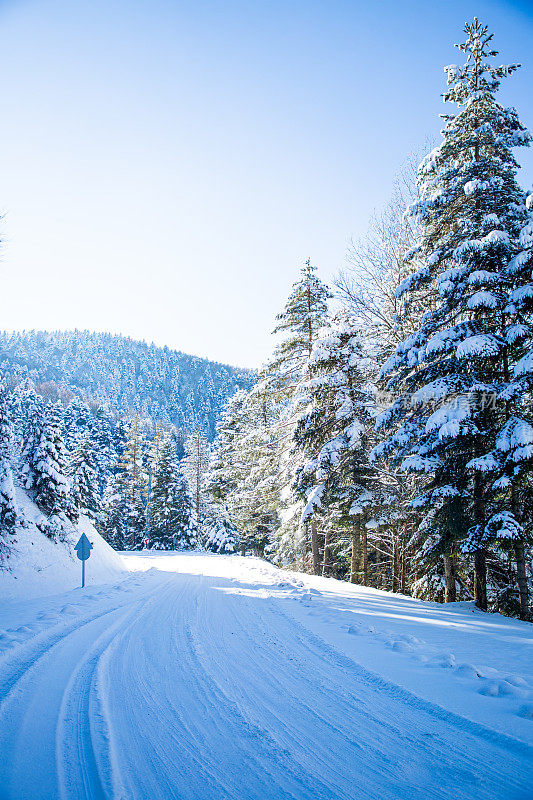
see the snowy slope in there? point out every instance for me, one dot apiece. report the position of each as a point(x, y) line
point(38, 566)
point(200, 677)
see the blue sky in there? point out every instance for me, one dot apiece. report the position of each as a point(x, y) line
point(166, 167)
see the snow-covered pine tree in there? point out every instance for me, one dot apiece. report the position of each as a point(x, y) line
point(173, 519)
point(226, 467)
point(196, 467)
point(304, 315)
point(510, 463)
point(51, 487)
point(114, 524)
point(30, 429)
point(84, 471)
point(243, 469)
point(131, 484)
point(8, 503)
point(450, 373)
point(254, 501)
point(332, 436)
point(220, 534)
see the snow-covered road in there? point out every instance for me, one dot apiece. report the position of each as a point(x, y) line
point(207, 677)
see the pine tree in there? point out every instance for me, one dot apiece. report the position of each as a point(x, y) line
point(243, 468)
point(304, 315)
point(84, 471)
point(226, 467)
point(115, 516)
point(8, 503)
point(31, 427)
point(173, 524)
point(332, 435)
point(51, 488)
point(131, 484)
point(221, 534)
point(196, 468)
point(470, 212)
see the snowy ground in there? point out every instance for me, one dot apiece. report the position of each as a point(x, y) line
point(38, 566)
point(214, 677)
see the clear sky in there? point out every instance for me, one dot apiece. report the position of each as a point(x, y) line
point(166, 167)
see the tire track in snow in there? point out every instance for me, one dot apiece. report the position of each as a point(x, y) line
point(383, 720)
point(37, 684)
point(207, 688)
point(200, 747)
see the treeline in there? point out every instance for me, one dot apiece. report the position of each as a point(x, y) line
point(391, 443)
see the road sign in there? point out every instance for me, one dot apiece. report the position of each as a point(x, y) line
point(83, 551)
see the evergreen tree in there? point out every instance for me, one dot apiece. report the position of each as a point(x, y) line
point(84, 472)
point(115, 516)
point(304, 315)
point(131, 484)
point(470, 212)
point(51, 488)
point(332, 435)
point(196, 468)
point(8, 503)
point(173, 524)
point(31, 428)
point(243, 469)
point(221, 534)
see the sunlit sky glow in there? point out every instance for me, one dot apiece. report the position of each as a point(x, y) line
point(166, 167)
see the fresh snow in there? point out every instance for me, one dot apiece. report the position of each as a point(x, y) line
point(199, 676)
point(40, 566)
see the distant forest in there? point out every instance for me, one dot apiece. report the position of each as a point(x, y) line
point(130, 377)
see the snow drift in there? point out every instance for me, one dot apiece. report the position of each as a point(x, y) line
point(39, 566)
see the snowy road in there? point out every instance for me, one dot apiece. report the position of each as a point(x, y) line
point(210, 678)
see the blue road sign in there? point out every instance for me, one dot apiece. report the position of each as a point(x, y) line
point(83, 548)
point(83, 551)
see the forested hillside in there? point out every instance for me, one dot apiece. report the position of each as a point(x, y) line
point(128, 376)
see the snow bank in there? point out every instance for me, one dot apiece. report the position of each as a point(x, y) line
point(39, 566)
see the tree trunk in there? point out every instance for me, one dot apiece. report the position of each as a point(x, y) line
point(364, 543)
point(403, 569)
point(326, 567)
point(353, 561)
point(395, 564)
point(480, 579)
point(379, 570)
point(315, 550)
point(449, 579)
point(520, 555)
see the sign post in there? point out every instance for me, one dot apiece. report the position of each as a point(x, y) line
point(83, 551)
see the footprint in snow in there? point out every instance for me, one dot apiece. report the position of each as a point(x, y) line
point(526, 711)
point(516, 680)
point(467, 671)
point(502, 688)
point(24, 629)
point(402, 646)
point(69, 609)
point(444, 660)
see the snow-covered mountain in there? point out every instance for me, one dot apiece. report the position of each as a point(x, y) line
point(129, 375)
